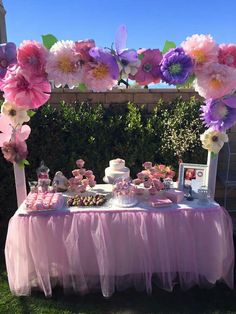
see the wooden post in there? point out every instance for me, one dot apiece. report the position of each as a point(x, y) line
point(212, 162)
point(20, 184)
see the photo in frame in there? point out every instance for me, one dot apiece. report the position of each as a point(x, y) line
point(192, 175)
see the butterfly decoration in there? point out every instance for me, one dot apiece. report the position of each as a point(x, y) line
point(8, 131)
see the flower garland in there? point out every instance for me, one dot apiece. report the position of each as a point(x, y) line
point(26, 72)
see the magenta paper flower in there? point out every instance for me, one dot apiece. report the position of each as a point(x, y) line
point(215, 80)
point(63, 66)
point(7, 57)
point(201, 48)
point(82, 49)
point(101, 74)
point(31, 57)
point(149, 70)
point(227, 54)
point(24, 90)
point(14, 151)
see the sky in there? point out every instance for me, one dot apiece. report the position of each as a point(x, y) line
point(149, 23)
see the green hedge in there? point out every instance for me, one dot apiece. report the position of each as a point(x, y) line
point(60, 135)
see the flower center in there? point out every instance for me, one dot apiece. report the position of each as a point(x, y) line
point(215, 83)
point(22, 83)
point(100, 71)
point(124, 62)
point(200, 56)
point(33, 60)
point(147, 67)
point(175, 68)
point(65, 64)
point(3, 63)
point(12, 112)
point(229, 60)
point(214, 138)
point(221, 112)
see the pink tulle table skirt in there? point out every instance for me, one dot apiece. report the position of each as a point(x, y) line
point(109, 250)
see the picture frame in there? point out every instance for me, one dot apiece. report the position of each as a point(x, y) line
point(192, 175)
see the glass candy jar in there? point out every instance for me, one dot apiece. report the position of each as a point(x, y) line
point(43, 177)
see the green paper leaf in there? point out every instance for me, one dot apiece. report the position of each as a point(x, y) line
point(31, 113)
point(213, 155)
point(26, 163)
point(168, 45)
point(141, 56)
point(49, 40)
point(82, 87)
point(22, 163)
point(188, 83)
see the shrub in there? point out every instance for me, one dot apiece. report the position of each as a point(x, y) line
point(60, 135)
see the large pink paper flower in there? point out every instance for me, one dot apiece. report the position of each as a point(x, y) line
point(32, 56)
point(227, 54)
point(25, 90)
point(201, 48)
point(215, 80)
point(149, 70)
point(63, 64)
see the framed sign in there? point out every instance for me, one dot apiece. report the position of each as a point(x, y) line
point(194, 175)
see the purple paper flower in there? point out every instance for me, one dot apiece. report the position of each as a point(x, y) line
point(176, 66)
point(220, 114)
point(7, 57)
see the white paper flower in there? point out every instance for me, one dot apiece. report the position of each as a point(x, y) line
point(17, 116)
point(213, 140)
point(130, 68)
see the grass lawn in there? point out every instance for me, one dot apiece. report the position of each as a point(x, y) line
point(219, 299)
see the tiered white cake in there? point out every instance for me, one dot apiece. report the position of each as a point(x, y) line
point(116, 170)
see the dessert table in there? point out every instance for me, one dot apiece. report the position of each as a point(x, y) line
point(107, 248)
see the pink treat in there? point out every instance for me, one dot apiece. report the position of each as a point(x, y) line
point(175, 195)
point(160, 201)
point(140, 191)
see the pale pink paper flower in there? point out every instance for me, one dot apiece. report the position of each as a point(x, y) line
point(63, 66)
point(227, 54)
point(201, 48)
point(24, 90)
point(80, 163)
point(215, 80)
point(32, 56)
